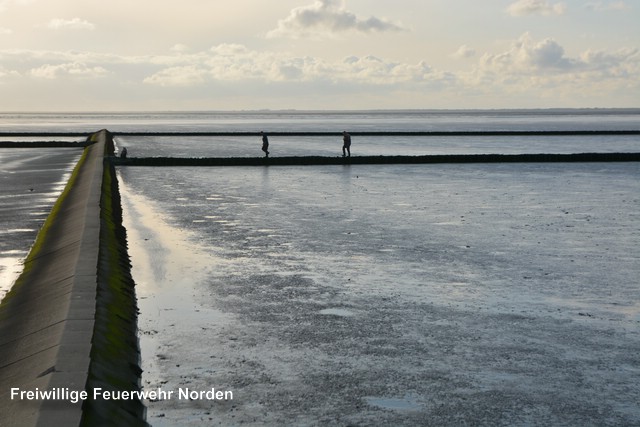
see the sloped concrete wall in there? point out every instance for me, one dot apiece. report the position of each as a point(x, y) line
point(69, 322)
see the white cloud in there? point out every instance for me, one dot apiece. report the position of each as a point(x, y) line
point(529, 69)
point(542, 69)
point(188, 75)
point(4, 4)
point(464, 52)
point(620, 63)
point(532, 7)
point(70, 24)
point(230, 49)
point(529, 56)
point(5, 31)
point(527, 63)
point(236, 63)
point(74, 69)
point(328, 17)
point(7, 73)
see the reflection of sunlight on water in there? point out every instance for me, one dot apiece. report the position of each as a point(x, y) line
point(631, 311)
point(10, 269)
point(33, 213)
point(163, 252)
point(17, 230)
point(169, 271)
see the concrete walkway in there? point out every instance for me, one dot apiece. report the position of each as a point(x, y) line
point(47, 320)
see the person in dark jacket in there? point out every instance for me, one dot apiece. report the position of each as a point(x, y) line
point(346, 146)
point(265, 143)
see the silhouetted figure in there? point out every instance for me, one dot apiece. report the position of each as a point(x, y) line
point(123, 153)
point(346, 146)
point(265, 144)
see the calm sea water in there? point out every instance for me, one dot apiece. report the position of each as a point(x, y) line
point(393, 120)
point(353, 121)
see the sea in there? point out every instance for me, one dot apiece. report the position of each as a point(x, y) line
point(352, 121)
point(491, 294)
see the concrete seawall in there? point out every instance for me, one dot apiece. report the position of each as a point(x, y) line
point(50, 321)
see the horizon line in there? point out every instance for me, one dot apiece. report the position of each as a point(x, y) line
point(344, 111)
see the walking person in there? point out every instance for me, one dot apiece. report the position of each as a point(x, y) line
point(265, 144)
point(346, 146)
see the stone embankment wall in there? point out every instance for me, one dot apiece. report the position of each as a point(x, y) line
point(378, 160)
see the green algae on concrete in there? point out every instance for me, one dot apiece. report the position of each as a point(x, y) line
point(115, 354)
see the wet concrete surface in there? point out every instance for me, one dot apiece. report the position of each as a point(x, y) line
point(395, 295)
point(31, 179)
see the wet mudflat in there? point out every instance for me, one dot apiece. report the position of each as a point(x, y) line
point(31, 179)
point(389, 295)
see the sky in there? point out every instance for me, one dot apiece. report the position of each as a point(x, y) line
point(166, 55)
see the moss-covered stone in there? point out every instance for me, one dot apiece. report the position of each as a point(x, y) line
point(115, 354)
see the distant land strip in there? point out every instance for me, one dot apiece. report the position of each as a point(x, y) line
point(376, 160)
point(391, 133)
point(335, 133)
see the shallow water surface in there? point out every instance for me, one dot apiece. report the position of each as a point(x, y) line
point(455, 293)
point(31, 179)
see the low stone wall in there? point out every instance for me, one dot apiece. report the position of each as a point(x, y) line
point(377, 160)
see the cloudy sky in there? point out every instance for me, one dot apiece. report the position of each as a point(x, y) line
point(97, 55)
